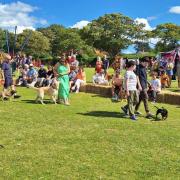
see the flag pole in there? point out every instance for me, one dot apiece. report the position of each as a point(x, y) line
point(15, 39)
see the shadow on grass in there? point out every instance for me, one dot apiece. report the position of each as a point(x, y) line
point(99, 95)
point(103, 114)
point(175, 90)
point(33, 101)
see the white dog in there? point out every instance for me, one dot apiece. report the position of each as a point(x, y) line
point(51, 90)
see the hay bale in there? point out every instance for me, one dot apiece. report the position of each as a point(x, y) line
point(106, 91)
point(169, 98)
point(172, 98)
point(164, 97)
point(88, 88)
point(160, 98)
point(97, 90)
point(83, 88)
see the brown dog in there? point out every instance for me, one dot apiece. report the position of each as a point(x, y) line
point(51, 90)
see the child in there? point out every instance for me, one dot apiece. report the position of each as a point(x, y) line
point(155, 86)
point(164, 79)
point(131, 82)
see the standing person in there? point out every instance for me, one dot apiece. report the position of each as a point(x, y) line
point(178, 69)
point(7, 75)
point(75, 63)
point(105, 64)
point(169, 70)
point(142, 75)
point(116, 65)
point(62, 69)
point(131, 82)
point(98, 65)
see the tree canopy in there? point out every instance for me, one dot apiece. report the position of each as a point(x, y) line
point(111, 33)
point(169, 36)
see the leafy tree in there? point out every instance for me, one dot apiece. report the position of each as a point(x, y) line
point(65, 39)
point(38, 44)
point(111, 33)
point(169, 35)
point(2, 40)
point(142, 47)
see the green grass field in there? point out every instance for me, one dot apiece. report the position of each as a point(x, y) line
point(88, 140)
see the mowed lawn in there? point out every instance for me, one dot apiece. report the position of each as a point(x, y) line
point(87, 140)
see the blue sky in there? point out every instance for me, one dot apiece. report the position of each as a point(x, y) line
point(68, 12)
point(38, 13)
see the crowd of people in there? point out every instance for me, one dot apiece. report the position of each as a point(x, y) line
point(67, 71)
point(129, 80)
point(135, 85)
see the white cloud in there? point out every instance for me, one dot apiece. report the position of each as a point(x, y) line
point(18, 14)
point(175, 10)
point(153, 42)
point(80, 24)
point(150, 18)
point(145, 22)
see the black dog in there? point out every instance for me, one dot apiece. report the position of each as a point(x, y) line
point(163, 112)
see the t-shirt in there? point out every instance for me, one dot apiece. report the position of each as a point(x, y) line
point(156, 85)
point(164, 79)
point(132, 80)
point(42, 73)
point(7, 69)
point(32, 73)
point(72, 75)
point(81, 76)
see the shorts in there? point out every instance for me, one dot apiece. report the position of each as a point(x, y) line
point(117, 90)
point(8, 82)
point(169, 72)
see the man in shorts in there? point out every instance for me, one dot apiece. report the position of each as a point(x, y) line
point(7, 75)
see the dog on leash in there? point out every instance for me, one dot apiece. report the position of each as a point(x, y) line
point(6, 95)
point(163, 112)
point(51, 90)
